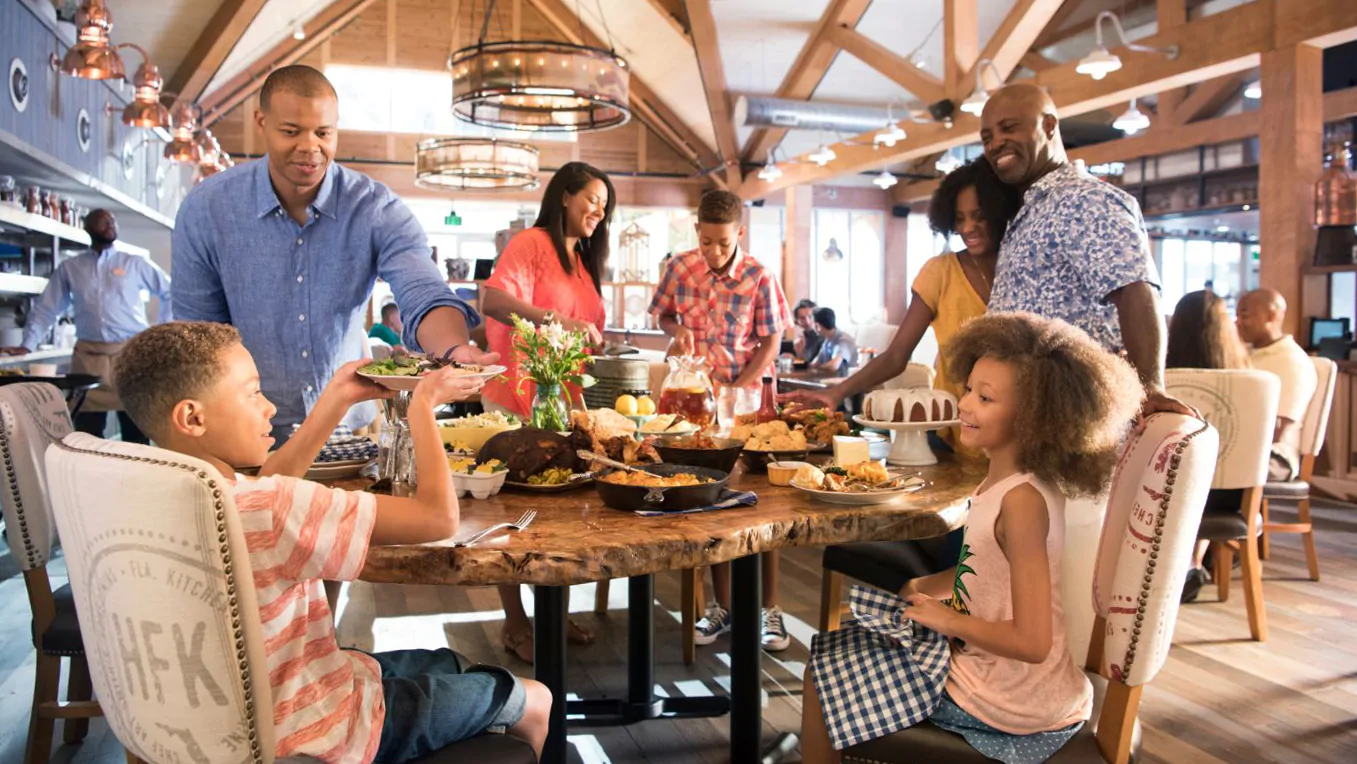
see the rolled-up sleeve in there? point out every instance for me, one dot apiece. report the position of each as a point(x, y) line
point(1117, 248)
point(157, 282)
point(405, 261)
point(196, 291)
point(665, 301)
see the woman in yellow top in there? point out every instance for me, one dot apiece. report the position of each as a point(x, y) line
point(951, 289)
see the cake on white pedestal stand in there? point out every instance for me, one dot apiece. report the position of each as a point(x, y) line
point(910, 440)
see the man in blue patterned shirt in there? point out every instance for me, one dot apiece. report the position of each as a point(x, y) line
point(287, 248)
point(1077, 250)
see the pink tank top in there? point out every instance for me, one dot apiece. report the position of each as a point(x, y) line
point(1010, 695)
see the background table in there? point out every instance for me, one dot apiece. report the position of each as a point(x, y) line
point(576, 539)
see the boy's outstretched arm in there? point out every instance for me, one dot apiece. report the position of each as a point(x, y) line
point(345, 390)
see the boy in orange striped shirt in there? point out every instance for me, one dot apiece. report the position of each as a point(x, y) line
point(194, 388)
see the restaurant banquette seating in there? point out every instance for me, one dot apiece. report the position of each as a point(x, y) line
point(162, 580)
point(1144, 553)
point(32, 416)
point(1242, 405)
point(1312, 432)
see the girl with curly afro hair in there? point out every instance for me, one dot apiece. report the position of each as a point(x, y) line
point(1050, 407)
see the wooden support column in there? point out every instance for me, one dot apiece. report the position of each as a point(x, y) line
point(797, 246)
point(1291, 161)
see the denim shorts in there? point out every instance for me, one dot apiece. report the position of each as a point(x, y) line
point(437, 697)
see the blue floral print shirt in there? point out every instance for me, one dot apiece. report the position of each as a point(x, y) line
point(1076, 240)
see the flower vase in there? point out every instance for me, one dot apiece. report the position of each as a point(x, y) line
point(550, 410)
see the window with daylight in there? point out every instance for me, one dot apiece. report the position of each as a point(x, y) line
point(847, 265)
point(382, 100)
point(1188, 265)
point(641, 238)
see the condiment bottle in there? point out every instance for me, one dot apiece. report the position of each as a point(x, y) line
point(768, 406)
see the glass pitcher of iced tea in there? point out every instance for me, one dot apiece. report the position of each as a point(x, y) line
point(687, 391)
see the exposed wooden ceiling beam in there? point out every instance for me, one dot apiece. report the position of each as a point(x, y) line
point(708, 49)
point(674, 14)
point(1171, 13)
point(960, 45)
point(1209, 98)
point(1340, 104)
point(212, 47)
point(320, 28)
point(1224, 43)
point(921, 84)
point(648, 106)
point(1055, 34)
point(807, 71)
point(1053, 27)
point(1153, 142)
point(1013, 39)
point(1037, 62)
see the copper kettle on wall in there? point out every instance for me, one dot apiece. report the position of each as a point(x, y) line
point(1336, 210)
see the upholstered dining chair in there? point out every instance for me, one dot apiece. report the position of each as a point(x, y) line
point(1312, 432)
point(1242, 405)
point(1144, 552)
point(32, 416)
point(162, 580)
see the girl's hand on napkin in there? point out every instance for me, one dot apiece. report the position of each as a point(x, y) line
point(349, 388)
point(924, 610)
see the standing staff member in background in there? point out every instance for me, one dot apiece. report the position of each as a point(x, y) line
point(106, 288)
point(287, 249)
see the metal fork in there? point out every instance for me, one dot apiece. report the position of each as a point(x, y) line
point(517, 525)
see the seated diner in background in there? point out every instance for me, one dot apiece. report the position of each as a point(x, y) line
point(194, 388)
point(1260, 315)
point(1202, 337)
point(548, 273)
point(838, 350)
point(807, 343)
point(389, 329)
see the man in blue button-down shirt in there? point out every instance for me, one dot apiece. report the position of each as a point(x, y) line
point(287, 248)
point(107, 290)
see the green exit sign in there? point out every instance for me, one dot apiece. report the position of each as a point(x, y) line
point(452, 219)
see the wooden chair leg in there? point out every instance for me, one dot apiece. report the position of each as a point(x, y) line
point(1224, 564)
point(46, 683)
point(1311, 554)
point(689, 596)
point(1265, 547)
point(78, 687)
point(132, 758)
point(601, 596)
point(1117, 722)
point(831, 589)
point(1252, 572)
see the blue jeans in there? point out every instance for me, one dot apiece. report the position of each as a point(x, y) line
point(437, 697)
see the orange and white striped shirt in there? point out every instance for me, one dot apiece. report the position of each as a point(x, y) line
point(327, 703)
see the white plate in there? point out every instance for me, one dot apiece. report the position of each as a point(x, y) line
point(336, 470)
point(406, 383)
point(858, 499)
point(685, 429)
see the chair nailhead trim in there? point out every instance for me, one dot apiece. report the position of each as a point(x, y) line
point(219, 507)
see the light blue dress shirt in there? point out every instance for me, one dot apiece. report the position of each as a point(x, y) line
point(297, 294)
point(108, 290)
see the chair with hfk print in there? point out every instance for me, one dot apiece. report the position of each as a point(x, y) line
point(167, 604)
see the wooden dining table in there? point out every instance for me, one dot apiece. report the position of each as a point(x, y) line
point(575, 539)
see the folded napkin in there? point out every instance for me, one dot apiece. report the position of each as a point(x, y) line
point(729, 498)
point(344, 446)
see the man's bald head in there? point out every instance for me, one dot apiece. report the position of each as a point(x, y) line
point(298, 79)
point(1259, 316)
point(1021, 134)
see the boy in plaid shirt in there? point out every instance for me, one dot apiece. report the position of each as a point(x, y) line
point(720, 303)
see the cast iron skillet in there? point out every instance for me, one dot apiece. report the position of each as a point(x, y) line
point(633, 497)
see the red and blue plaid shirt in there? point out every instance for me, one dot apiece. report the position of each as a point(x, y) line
point(728, 314)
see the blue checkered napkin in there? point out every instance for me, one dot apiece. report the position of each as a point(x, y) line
point(880, 674)
point(343, 446)
point(730, 498)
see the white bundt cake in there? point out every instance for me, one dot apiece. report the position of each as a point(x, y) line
point(917, 404)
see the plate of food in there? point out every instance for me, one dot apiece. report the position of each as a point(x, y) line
point(669, 426)
point(858, 484)
point(770, 442)
point(480, 481)
point(701, 450)
point(467, 434)
point(403, 373)
point(553, 480)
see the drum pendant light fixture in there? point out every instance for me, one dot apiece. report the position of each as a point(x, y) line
point(475, 164)
point(539, 86)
